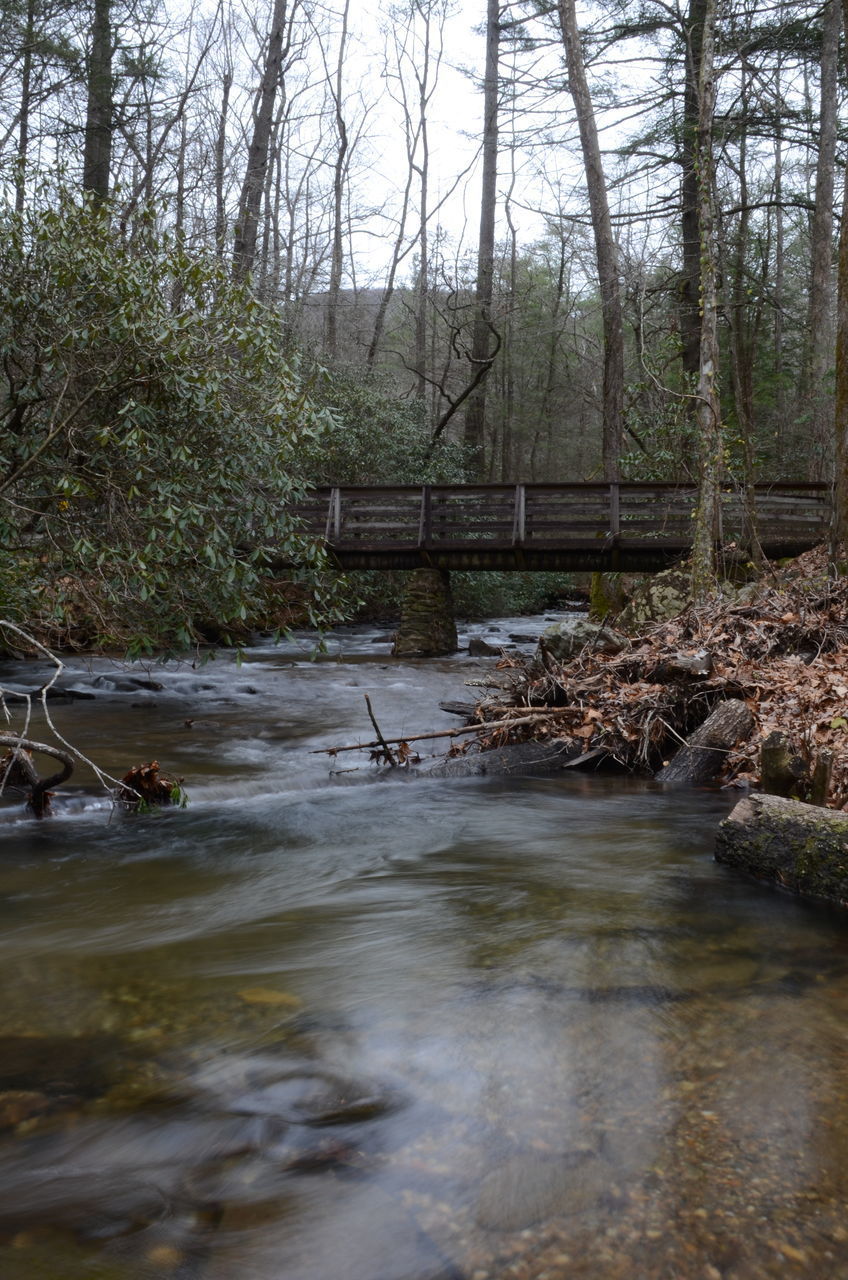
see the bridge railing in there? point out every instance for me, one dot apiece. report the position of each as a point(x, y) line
point(444, 517)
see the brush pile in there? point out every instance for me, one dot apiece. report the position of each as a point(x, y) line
point(783, 651)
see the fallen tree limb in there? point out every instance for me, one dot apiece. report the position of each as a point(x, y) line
point(704, 752)
point(491, 726)
point(388, 754)
point(801, 847)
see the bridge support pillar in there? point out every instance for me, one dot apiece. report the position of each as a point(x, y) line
point(427, 627)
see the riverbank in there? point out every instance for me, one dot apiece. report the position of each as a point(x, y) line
point(780, 645)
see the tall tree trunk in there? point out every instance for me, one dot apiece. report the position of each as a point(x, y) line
point(708, 409)
point(23, 123)
point(337, 252)
point(820, 326)
point(475, 414)
point(422, 286)
point(690, 305)
point(743, 328)
point(606, 250)
point(253, 187)
point(220, 166)
point(841, 409)
point(97, 153)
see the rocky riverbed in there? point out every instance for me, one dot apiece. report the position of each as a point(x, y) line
point(475, 1028)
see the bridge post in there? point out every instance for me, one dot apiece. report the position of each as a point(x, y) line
point(427, 626)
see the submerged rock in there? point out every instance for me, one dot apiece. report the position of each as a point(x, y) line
point(80, 1065)
point(529, 1187)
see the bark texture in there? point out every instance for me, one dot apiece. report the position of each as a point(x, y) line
point(798, 846)
point(97, 155)
point(698, 762)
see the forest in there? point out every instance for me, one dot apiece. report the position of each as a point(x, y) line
point(249, 249)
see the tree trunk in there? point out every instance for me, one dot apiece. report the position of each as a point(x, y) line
point(97, 154)
point(475, 414)
point(800, 847)
point(690, 308)
point(841, 407)
point(337, 252)
point(23, 123)
point(708, 409)
point(606, 249)
point(220, 162)
point(820, 326)
point(704, 754)
point(253, 187)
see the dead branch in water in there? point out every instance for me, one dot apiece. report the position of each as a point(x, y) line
point(40, 794)
point(139, 788)
point(486, 726)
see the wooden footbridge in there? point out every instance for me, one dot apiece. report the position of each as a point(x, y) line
point(607, 527)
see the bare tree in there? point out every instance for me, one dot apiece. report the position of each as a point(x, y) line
point(481, 354)
point(606, 249)
point(253, 187)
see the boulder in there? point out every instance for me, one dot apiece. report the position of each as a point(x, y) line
point(480, 648)
point(566, 638)
point(657, 598)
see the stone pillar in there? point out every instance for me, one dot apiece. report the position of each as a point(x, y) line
point(427, 627)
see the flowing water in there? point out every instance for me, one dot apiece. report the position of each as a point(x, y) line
point(324, 1026)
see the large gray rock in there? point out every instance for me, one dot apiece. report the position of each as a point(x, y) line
point(659, 597)
point(566, 638)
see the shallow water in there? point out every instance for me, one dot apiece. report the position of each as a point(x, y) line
point(336, 1028)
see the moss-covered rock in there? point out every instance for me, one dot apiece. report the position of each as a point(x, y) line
point(658, 598)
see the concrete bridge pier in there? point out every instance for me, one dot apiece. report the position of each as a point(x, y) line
point(427, 626)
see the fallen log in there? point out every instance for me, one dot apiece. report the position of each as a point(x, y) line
point(464, 709)
point(800, 847)
point(704, 752)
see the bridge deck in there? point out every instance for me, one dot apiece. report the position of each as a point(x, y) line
point(635, 527)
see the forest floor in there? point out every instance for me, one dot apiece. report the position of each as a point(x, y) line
point(784, 652)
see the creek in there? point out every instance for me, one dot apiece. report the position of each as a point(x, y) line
point(327, 1026)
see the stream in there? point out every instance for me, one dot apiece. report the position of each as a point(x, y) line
point(329, 1025)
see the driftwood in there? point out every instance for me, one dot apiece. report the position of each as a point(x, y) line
point(464, 709)
point(144, 786)
point(704, 752)
point(801, 847)
point(18, 769)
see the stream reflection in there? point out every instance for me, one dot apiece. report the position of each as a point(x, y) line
point(406, 1030)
